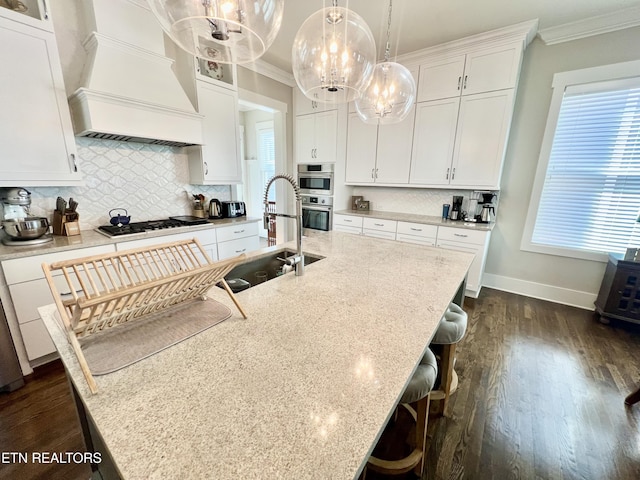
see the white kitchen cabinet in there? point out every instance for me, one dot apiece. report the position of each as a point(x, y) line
point(379, 228)
point(347, 223)
point(304, 105)
point(217, 161)
point(206, 237)
point(235, 240)
point(462, 145)
point(379, 154)
point(418, 233)
point(29, 290)
point(481, 70)
point(317, 137)
point(38, 144)
point(472, 241)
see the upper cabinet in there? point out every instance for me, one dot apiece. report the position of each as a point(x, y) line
point(458, 134)
point(316, 131)
point(479, 71)
point(217, 161)
point(38, 144)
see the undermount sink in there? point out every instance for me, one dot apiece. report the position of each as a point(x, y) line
point(264, 268)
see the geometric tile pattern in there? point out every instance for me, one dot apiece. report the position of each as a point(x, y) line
point(149, 181)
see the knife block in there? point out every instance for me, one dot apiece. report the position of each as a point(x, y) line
point(66, 224)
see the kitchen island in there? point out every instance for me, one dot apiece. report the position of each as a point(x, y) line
point(301, 389)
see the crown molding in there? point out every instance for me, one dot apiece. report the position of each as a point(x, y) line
point(524, 31)
point(268, 70)
point(609, 22)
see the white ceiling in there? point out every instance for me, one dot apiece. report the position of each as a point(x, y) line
point(418, 24)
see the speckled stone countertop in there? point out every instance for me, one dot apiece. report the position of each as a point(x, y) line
point(302, 389)
point(410, 217)
point(91, 238)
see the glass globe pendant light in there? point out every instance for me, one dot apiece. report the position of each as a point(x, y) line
point(391, 93)
point(333, 55)
point(223, 31)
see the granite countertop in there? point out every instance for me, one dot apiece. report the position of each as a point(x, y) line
point(424, 219)
point(91, 238)
point(301, 389)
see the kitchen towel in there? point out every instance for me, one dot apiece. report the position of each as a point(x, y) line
point(131, 342)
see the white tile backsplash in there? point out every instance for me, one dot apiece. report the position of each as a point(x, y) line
point(419, 201)
point(149, 181)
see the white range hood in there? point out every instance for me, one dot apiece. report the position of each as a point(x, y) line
point(128, 90)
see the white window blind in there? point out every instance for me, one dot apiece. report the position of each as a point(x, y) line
point(591, 194)
point(267, 153)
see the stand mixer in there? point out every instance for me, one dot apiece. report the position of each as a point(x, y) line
point(20, 228)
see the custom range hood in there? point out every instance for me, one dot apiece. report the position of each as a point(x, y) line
point(128, 91)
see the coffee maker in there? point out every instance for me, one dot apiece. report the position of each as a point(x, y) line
point(456, 208)
point(487, 212)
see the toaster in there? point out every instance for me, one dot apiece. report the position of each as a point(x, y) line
point(233, 209)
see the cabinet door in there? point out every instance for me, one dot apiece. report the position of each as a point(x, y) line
point(219, 161)
point(441, 78)
point(326, 136)
point(492, 69)
point(38, 146)
point(305, 105)
point(483, 126)
point(433, 142)
point(474, 276)
point(305, 138)
point(393, 158)
point(362, 139)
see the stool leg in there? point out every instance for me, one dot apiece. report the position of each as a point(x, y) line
point(422, 411)
point(446, 364)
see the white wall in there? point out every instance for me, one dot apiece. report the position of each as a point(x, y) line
point(557, 278)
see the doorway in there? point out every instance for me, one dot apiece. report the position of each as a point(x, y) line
point(264, 145)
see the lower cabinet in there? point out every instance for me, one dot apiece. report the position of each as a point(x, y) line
point(472, 241)
point(207, 239)
point(29, 290)
point(235, 240)
point(460, 239)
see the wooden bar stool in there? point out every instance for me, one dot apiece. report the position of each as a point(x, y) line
point(451, 330)
point(416, 400)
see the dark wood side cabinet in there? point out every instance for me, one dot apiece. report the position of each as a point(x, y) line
point(619, 295)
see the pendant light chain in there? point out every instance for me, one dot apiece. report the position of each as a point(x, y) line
point(387, 47)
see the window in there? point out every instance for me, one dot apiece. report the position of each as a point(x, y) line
point(266, 153)
point(586, 197)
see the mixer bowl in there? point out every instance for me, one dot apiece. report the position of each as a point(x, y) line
point(26, 228)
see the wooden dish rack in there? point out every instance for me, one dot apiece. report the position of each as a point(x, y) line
point(111, 289)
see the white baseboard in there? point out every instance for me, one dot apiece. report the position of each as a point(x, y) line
point(565, 296)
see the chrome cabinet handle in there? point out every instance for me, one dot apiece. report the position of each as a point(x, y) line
point(73, 160)
point(453, 173)
point(206, 168)
point(464, 86)
point(416, 229)
point(379, 224)
point(447, 176)
point(347, 220)
point(238, 231)
point(460, 235)
point(459, 80)
point(45, 10)
point(372, 173)
point(241, 251)
point(376, 173)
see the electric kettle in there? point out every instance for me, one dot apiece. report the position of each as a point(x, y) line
point(486, 213)
point(215, 208)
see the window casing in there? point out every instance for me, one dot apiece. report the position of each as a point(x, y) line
point(586, 193)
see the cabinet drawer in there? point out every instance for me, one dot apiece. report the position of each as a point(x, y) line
point(237, 247)
point(36, 339)
point(347, 220)
point(233, 232)
point(381, 225)
point(205, 237)
point(379, 234)
point(347, 229)
point(462, 235)
point(429, 241)
point(418, 229)
point(30, 268)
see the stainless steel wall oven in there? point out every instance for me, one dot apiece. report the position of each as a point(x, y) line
point(317, 212)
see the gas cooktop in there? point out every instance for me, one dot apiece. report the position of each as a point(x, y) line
point(150, 225)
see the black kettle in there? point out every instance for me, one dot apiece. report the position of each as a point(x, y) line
point(215, 208)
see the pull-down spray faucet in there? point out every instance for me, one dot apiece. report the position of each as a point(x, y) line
point(298, 259)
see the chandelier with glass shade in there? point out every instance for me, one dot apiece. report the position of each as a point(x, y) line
point(333, 55)
point(224, 31)
point(391, 93)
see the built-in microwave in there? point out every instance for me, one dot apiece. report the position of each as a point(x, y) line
point(316, 179)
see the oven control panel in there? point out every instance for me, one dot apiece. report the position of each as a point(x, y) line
point(319, 200)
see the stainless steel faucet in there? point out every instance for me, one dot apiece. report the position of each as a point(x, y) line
point(298, 259)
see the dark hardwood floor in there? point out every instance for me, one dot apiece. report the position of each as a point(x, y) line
point(541, 396)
